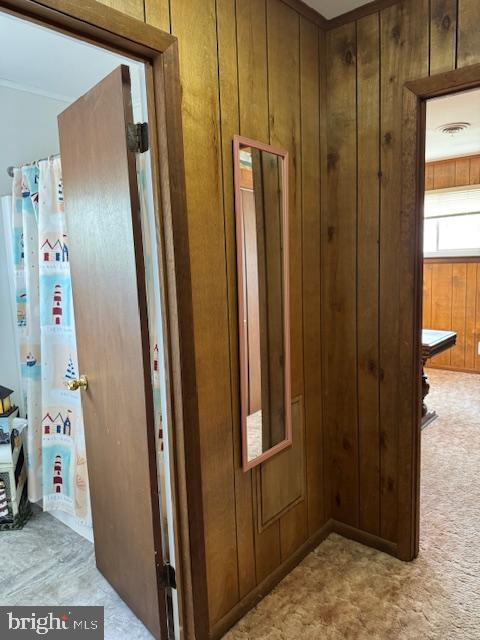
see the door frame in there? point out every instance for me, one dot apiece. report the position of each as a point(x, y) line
point(415, 96)
point(108, 28)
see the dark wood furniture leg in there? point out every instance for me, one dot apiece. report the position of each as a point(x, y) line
point(427, 416)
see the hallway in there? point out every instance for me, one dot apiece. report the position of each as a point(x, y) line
point(345, 591)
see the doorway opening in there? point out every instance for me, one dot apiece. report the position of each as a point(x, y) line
point(57, 441)
point(450, 345)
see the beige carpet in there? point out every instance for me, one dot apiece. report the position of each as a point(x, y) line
point(345, 591)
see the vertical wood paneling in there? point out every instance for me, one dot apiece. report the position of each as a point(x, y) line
point(311, 187)
point(462, 172)
point(443, 35)
point(252, 69)
point(283, 26)
point(404, 56)
point(427, 295)
point(449, 303)
point(470, 316)
point(195, 26)
point(237, 555)
point(254, 123)
point(132, 8)
point(442, 291)
point(340, 275)
point(475, 170)
point(230, 122)
point(468, 21)
point(477, 323)
point(429, 177)
point(459, 308)
point(157, 13)
point(457, 172)
point(368, 114)
point(444, 175)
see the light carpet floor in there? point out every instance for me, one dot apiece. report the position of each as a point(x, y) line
point(345, 591)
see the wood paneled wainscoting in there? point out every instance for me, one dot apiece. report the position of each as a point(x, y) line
point(451, 301)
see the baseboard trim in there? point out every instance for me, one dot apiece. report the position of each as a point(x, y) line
point(368, 539)
point(254, 597)
point(447, 367)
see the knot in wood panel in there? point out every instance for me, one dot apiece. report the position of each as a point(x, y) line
point(349, 57)
point(332, 160)
point(446, 22)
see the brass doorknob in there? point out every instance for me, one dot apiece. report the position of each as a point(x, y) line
point(81, 383)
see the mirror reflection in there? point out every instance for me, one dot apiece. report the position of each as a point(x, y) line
point(263, 262)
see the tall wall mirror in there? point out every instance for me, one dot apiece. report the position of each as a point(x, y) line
point(261, 213)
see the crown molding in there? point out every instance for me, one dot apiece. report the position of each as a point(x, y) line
point(351, 16)
point(16, 86)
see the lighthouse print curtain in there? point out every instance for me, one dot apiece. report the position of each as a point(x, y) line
point(56, 444)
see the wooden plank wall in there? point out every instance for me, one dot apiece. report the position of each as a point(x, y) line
point(256, 67)
point(451, 289)
point(369, 60)
point(250, 67)
point(455, 172)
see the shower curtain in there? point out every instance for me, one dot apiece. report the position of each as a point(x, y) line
point(57, 466)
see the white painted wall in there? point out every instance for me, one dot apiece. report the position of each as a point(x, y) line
point(28, 129)
point(9, 362)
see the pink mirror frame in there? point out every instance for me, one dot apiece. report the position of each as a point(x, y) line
point(238, 142)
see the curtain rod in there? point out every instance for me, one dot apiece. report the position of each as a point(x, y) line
point(10, 170)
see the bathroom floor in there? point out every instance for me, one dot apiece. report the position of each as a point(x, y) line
point(47, 563)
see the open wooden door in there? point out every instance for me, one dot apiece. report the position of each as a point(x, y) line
point(108, 283)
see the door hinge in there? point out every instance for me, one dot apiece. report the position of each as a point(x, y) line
point(167, 577)
point(137, 137)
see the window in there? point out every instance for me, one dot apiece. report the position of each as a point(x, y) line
point(452, 222)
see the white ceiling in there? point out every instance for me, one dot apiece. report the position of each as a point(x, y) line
point(460, 107)
point(45, 62)
point(41, 73)
point(333, 8)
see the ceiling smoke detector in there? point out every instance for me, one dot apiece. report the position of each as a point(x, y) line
point(453, 128)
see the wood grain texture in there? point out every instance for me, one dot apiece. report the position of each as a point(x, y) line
point(340, 275)
point(195, 26)
point(477, 324)
point(157, 13)
point(311, 269)
point(277, 495)
point(450, 303)
point(444, 175)
point(471, 333)
point(283, 27)
point(133, 8)
point(475, 170)
point(368, 235)
point(456, 172)
point(404, 56)
point(252, 69)
point(468, 20)
point(459, 312)
point(427, 295)
point(228, 62)
point(442, 305)
point(99, 174)
point(443, 35)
